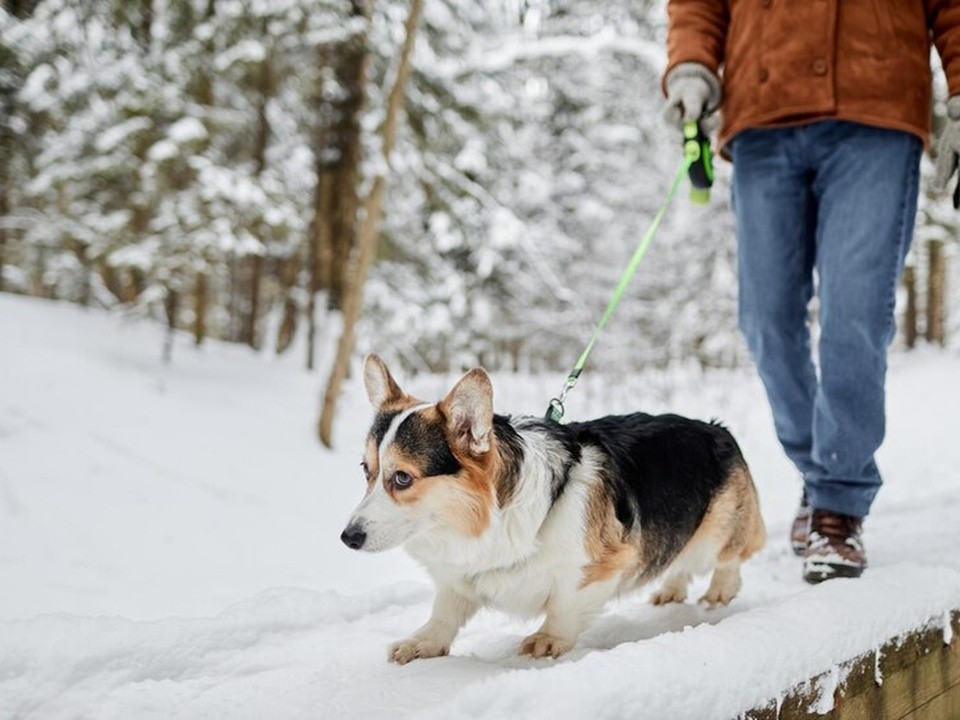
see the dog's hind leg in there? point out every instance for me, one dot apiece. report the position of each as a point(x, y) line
point(741, 524)
point(724, 585)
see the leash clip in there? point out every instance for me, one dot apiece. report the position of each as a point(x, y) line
point(555, 410)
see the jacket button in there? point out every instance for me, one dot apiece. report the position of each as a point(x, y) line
point(819, 66)
point(764, 75)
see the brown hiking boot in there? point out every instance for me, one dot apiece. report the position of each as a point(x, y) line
point(834, 547)
point(801, 527)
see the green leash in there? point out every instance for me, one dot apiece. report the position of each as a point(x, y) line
point(697, 162)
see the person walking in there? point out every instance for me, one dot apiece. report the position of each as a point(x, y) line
point(825, 110)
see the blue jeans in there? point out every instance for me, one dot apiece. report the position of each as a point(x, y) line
point(841, 198)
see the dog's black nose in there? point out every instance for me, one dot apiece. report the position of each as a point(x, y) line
point(353, 537)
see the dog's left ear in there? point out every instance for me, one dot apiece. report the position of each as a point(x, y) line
point(468, 409)
point(380, 385)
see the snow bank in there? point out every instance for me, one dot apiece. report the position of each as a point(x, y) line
point(292, 653)
point(130, 493)
point(129, 488)
point(69, 666)
point(719, 671)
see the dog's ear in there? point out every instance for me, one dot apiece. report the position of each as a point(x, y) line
point(468, 409)
point(380, 385)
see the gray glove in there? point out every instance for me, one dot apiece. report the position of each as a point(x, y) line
point(693, 93)
point(948, 149)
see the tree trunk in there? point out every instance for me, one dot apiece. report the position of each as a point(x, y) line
point(171, 307)
point(319, 253)
point(146, 22)
point(132, 284)
point(85, 291)
point(312, 321)
point(288, 325)
point(936, 293)
point(320, 243)
point(111, 279)
point(338, 155)
point(910, 314)
point(202, 88)
point(4, 209)
point(233, 301)
point(37, 287)
point(200, 308)
point(338, 160)
point(264, 88)
point(289, 272)
point(368, 233)
point(261, 140)
point(249, 331)
point(8, 143)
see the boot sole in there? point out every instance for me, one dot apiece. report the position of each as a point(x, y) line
point(829, 572)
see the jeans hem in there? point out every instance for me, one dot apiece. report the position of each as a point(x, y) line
point(839, 500)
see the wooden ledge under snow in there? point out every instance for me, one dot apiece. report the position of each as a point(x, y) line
point(912, 677)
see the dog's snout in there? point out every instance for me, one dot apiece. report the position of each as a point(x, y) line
point(354, 536)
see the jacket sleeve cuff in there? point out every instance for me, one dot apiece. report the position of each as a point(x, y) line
point(695, 69)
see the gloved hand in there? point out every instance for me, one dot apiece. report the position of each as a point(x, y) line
point(693, 93)
point(948, 150)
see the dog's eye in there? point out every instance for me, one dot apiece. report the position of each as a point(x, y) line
point(366, 470)
point(402, 480)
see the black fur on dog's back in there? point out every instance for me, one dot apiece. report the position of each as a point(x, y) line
point(665, 470)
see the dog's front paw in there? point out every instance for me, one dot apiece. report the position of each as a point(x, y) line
point(724, 586)
point(541, 645)
point(668, 594)
point(414, 648)
point(717, 597)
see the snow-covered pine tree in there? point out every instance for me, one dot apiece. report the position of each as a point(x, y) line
point(445, 224)
point(537, 157)
point(171, 150)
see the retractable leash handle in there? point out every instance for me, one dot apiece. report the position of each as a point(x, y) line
point(696, 148)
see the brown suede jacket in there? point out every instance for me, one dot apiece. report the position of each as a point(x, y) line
point(787, 62)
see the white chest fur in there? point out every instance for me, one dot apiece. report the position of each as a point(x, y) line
point(531, 549)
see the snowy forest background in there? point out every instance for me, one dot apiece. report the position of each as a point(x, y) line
point(219, 165)
point(213, 173)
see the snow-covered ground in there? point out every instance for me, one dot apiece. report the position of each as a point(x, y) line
point(169, 547)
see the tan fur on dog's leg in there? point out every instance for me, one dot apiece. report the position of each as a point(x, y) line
point(451, 610)
point(724, 585)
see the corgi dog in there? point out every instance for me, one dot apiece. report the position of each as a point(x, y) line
point(533, 517)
